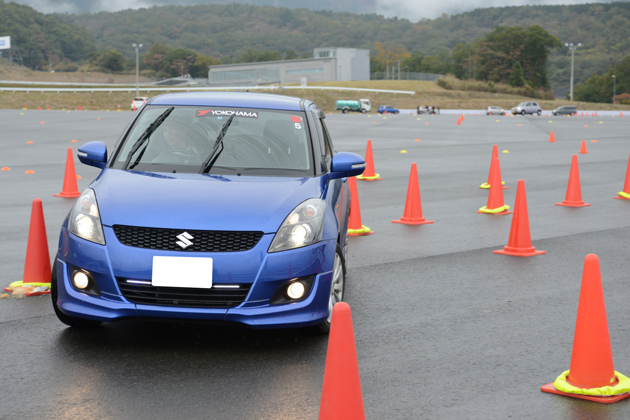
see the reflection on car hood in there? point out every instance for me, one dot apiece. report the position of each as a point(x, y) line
point(204, 202)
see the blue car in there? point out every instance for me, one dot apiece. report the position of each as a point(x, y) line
point(388, 109)
point(220, 207)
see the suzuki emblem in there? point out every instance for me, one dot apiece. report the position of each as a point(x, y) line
point(184, 240)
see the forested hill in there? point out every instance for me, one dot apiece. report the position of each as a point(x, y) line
point(226, 31)
point(41, 38)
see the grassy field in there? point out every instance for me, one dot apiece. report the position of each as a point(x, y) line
point(427, 93)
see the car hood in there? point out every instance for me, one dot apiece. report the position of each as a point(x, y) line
point(203, 202)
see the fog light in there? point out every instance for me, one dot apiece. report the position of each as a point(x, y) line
point(295, 290)
point(80, 280)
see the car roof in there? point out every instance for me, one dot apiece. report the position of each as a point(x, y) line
point(230, 99)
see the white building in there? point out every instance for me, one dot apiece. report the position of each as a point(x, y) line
point(328, 65)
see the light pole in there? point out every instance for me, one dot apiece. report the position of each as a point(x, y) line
point(137, 47)
point(614, 88)
point(572, 48)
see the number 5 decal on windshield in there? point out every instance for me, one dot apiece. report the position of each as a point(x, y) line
point(298, 126)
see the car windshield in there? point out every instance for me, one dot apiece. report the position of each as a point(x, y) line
point(522, 104)
point(257, 142)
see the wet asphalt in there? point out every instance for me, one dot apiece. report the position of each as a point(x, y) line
point(444, 328)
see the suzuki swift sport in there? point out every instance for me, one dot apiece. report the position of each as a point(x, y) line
point(220, 207)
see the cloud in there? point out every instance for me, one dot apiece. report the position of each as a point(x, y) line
point(415, 10)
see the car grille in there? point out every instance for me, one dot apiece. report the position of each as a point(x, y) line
point(202, 240)
point(216, 297)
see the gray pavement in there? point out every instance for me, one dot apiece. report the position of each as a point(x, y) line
point(445, 329)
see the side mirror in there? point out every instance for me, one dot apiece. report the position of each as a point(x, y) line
point(93, 153)
point(345, 164)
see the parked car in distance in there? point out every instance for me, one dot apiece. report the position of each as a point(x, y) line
point(426, 110)
point(565, 110)
point(221, 207)
point(362, 106)
point(389, 109)
point(495, 110)
point(527, 108)
point(136, 103)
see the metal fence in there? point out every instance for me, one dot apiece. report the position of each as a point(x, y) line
point(405, 75)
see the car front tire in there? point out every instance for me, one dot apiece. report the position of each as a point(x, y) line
point(66, 319)
point(539, 112)
point(523, 112)
point(337, 289)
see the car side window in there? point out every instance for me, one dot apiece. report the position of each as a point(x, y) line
point(324, 141)
point(327, 156)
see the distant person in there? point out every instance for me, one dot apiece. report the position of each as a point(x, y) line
point(438, 109)
point(418, 111)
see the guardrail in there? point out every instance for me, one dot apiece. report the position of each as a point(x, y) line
point(197, 89)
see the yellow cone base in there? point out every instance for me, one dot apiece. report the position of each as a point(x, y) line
point(360, 232)
point(376, 177)
point(622, 196)
point(21, 283)
point(603, 400)
point(497, 211)
point(486, 186)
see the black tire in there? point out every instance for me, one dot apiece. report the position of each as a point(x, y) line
point(345, 110)
point(324, 327)
point(539, 112)
point(66, 319)
point(523, 113)
point(397, 112)
point(363, 111)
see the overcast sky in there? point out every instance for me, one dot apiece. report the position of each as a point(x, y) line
point(413, 10)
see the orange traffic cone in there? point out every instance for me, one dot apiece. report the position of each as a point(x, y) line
point(25, 108)
point(574, 191)
point(620, 113)
point(355, 227)
point(369, 174)
point(592, 374)
point(552, 138)
point(79, 109)
point(583, 148)
point(413, 205)
point(495, 154)
point(462, 117)
point(495, 197)
point(70, 188)
point(625, 194)
point(459, 121)
point(118, 107)
point(341, 392)
point(134, 107)
point(520, 241)
point(37, 264)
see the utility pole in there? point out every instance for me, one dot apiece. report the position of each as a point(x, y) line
point(137, 47)
point(572, 48)
point(398, 69)
point(614, 88)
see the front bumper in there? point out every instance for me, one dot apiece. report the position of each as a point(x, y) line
point(265, 272)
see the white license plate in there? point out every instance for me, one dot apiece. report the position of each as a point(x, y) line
point(182, 272)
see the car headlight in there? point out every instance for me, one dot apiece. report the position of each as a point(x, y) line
point(302, 227)
point(85, 221)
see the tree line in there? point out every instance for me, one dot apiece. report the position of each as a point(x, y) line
point(481, 44)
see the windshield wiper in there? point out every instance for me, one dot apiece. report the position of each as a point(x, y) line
point(207, 164)
point(147, 133)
